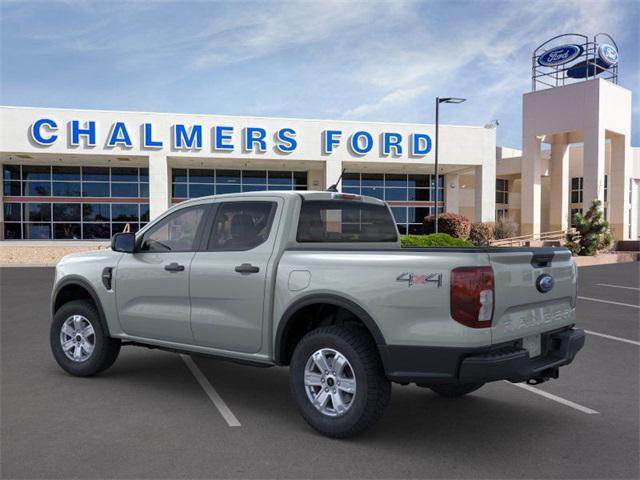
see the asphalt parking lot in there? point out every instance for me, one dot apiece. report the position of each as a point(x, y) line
point(149, 417)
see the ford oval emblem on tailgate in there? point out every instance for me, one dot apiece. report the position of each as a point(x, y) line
point(544, 283)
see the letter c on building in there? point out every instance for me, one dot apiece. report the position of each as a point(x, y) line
point(37, 134)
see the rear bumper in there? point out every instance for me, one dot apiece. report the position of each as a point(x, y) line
point(433, 365)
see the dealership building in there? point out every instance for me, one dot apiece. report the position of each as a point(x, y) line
point(87, 174)
point(81, 174)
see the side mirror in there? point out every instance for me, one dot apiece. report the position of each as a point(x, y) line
point(123, 242)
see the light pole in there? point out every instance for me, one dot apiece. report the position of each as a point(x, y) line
point(438, 102)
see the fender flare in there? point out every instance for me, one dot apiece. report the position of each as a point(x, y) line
point(81, 282)
point(286, 320)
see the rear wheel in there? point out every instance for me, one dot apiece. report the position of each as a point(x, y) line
point(79, 341)
point(455, 390)
point(338, 382)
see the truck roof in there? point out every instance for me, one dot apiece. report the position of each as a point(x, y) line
point(305, 194)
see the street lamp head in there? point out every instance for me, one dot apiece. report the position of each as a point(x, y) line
point(451, 100)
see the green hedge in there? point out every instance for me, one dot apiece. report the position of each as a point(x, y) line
point(433, 240)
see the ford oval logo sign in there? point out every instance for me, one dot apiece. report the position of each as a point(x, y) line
point(560, 55)
point(608, 54)
point(545, 283)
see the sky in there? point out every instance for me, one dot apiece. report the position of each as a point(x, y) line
point(344, 60)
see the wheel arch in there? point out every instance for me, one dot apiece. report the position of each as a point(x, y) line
point(291, 318)
point(73, 288)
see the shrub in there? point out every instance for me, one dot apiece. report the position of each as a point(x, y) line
point(505, 227)
point(433, 240)
point(454, 224)
point(482, 233)
point(592, 232)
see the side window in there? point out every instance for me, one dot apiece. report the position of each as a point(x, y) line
point(345, 221)
point(177, 232)
point(241, 225)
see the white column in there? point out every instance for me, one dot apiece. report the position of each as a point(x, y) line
point(618, 188)
point(559, 197)
point(159, 184)
point(531, 188)
point(332, 171)
point(452, 192)
point(485, 192)
point(593, 167)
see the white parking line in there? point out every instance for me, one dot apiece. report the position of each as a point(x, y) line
point(211, 392)
point(555, 398)
point(616, 286)
point(609, 301)
point(611, 337)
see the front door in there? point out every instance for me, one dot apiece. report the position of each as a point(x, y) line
point(152, 285)
point(228, 278)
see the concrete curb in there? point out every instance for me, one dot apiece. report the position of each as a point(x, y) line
point(27, 265)
point(607, 258)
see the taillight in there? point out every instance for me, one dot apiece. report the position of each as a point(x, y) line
point(346, 196)
point(472, 292)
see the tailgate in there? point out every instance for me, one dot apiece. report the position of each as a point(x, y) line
point(521, 308)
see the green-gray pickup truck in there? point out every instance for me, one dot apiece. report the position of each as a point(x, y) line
point(318, 281)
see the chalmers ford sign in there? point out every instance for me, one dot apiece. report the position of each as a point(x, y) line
point(223, 138)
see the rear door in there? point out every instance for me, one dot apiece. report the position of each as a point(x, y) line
point(152, 284)
point(525, 305)
point(228, 278)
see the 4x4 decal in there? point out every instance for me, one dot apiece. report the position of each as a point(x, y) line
point(420, 279)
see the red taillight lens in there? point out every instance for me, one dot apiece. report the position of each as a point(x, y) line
point(472, 294)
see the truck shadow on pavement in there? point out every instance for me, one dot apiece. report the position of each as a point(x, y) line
point(493, 417)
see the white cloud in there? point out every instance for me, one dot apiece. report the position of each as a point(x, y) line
point(284, 26)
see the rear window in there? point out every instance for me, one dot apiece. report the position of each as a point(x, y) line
point(345, 221)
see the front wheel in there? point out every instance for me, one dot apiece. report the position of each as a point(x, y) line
point(338, 382)
point(79, 341)
point(455, 390)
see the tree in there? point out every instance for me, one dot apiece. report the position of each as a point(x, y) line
point(505, 227)
point(482, 233)
point(592, 232)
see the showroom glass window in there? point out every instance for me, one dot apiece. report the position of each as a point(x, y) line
point(72, 202)
point(411, 197)
point(199, 182)
point(502, 190)
point(576, 189)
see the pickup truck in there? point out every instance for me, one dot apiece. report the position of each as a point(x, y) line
point(318, 281)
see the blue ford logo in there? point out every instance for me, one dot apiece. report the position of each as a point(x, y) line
point(560, 55)
point(544, 283)
point(608, 54)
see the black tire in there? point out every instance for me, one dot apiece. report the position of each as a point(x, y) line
point(455, 390)
point(105, 351)
point(373, 388)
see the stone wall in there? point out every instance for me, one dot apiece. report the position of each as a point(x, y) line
point(13, 253)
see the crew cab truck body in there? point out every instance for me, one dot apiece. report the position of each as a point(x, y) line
point(318, 281)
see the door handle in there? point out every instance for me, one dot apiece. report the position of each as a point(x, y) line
point(174, 267)
point(247, 268)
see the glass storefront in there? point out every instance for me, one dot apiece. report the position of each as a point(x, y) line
point(68, 202)
point(411, 197)
point(199, 182)
point(61, 202)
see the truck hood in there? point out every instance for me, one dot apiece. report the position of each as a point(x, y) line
point(95, 255)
